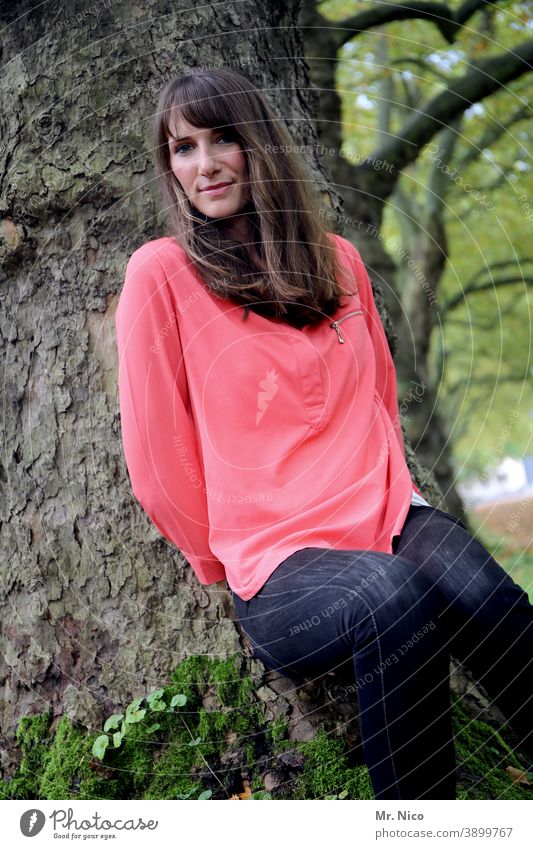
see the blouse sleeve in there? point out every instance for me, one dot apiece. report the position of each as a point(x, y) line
point(158, 434)
point(386, 383)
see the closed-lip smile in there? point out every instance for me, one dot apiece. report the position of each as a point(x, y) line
point(216, 186)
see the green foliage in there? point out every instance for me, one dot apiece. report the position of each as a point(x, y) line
point(477, 205)
point(327, 773)
point(55, 766)
point(277, 731)
point(206, 746)
point(482, 756)
point(135, 714)
point(33, 739)
point(137, 757)
point(512, 555)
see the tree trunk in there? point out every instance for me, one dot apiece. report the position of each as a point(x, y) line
point(97, 608)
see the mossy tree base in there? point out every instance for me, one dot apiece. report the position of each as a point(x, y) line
point(236, 741)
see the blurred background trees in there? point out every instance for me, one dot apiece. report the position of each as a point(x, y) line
point(429, 104)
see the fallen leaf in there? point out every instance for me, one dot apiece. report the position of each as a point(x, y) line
point(245, 795)
point(247, 791)
point(517, 776)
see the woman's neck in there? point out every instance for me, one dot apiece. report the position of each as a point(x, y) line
point(239, 229)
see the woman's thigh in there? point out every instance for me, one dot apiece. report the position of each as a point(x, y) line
point(483, 602)
point(319, 605)
point(441, 546)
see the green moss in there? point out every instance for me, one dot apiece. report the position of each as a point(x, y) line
point(231, 687)
point(33, 740)
point(155, 759)
point(277, 731)
point(55, 766)
point(482, 755)
point(171, 775)
point(65, 772)
point(232, 743)
point(327, 771)
point(191, 678)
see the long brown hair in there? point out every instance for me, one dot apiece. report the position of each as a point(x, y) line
point(299, 281)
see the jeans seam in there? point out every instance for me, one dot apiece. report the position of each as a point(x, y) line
point(287, 666)
point(371, 612)
point(265, 651)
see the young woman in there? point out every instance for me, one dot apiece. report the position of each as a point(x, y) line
point(262, 436)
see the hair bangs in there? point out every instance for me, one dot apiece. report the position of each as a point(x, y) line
point(199, 103)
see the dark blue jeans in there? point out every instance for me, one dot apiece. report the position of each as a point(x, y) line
point(399, 617)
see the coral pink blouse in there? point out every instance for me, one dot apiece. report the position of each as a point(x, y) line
point(246, 440)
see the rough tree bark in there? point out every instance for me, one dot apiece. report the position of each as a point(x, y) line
point(96, 607)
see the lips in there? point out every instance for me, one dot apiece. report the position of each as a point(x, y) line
point(215, 186)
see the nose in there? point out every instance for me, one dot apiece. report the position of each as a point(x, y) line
point(207, 161)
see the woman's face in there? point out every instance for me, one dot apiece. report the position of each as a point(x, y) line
point(201, 158)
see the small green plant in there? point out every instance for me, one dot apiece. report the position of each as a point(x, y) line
point(120, 723)
point(205, 794)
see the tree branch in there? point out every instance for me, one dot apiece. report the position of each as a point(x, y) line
point(447, 20)
point(467, 9)
point(477, 324)
point(484, 79)
point(421, 63)
point(492, 133)
point(385, 13)
point(490, 284)
point(503, 263)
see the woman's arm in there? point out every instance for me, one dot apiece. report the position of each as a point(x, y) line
point(158, 434)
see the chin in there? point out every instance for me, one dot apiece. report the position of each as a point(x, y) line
point(218, 210)
point(216, 213)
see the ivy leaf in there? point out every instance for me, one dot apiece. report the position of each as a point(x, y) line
point(178, 701)
point(133, 714)
point(206, 794)
point(153, 727)
point(196, 741)
point(188, 795)
point(113, 721)
point(155, 701)
point(100, 745)
point(117, 739)
point(138, 716)
point(155, 695)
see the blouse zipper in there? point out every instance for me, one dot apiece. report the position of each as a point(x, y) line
point(335, 324)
